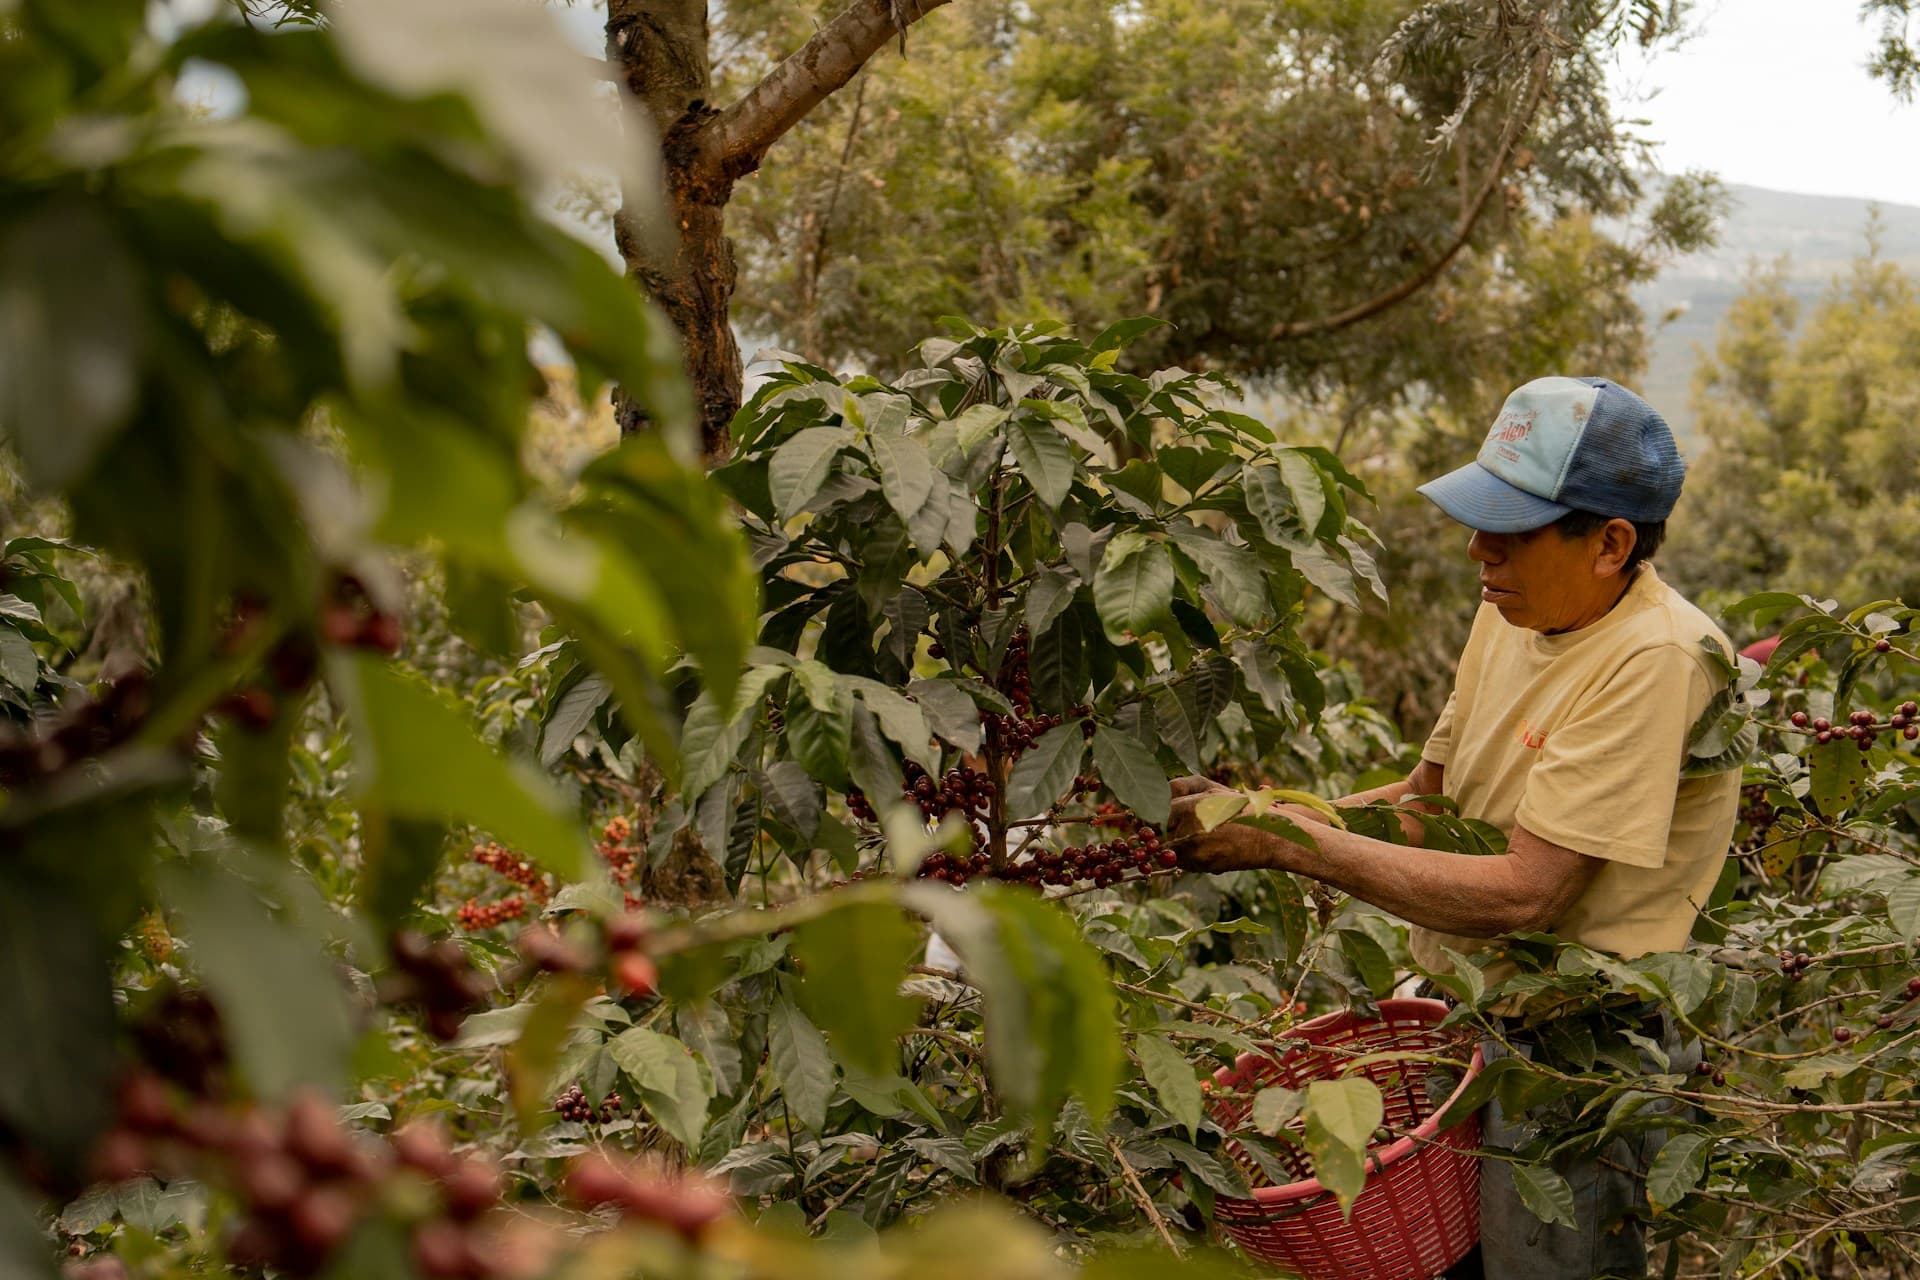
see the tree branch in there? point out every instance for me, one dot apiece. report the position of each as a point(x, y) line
point(742, 133)
point(1469, 218)
point(1141, 1198)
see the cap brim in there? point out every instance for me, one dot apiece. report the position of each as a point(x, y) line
point(1479, 499)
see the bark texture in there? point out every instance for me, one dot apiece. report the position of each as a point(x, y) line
point(659, 51)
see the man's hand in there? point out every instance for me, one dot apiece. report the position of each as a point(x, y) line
point(1228, 847)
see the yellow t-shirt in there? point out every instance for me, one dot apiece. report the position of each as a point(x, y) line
point(1580, 738)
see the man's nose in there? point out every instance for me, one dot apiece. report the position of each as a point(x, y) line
point(1485, 547)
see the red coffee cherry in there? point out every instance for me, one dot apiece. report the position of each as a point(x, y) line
point(340, 626)
point(472, 1187)
point(381, 632)
point(118, 1156)
point(322, 1218)
point(596, 1180)
point(314, 1136)
point(627, 932)
point(1843, 1034)
point(253, 1245)
point(145, 1104)
point(422, 1145)
point(637, 974)
point(270, 1182)
point(440, 1250)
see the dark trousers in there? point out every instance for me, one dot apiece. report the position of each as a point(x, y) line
point(1609, 1238)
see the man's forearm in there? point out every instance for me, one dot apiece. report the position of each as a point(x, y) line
point(1395, 793)
point(1477, 897)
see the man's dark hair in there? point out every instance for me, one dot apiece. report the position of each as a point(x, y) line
point(1647, 537)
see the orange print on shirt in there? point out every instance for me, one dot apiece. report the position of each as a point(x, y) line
point(1530, 737)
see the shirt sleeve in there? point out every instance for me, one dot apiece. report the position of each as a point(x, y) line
point(1607, 778)
point(1439, 745)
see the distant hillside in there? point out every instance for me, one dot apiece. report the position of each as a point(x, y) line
point(1819, 235)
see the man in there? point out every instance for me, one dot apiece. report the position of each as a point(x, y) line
point(1567, 729)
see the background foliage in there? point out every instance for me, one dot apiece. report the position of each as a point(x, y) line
point(332, 684)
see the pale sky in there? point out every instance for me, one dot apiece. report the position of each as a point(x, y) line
point(1775, 93)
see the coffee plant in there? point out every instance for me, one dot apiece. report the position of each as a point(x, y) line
point(310, 965)
point(266, 360)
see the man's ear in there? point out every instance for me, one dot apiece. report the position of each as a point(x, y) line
point(1617, 540)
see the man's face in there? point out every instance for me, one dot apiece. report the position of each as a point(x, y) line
point(1543, 581)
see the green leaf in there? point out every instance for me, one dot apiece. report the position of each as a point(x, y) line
point(1767, 601)
point(1213, 810)
point(1133, 590)
point(1274, 1107)
point(854, 959)
point(1545, 1193)
point(872, 765)
point(569, 714)
point(978, 424)
point(1133, 775)
point(57, 1008)
point(651, 507)
point(1118, 335)
point(1050, 595)
point(1303, 487)
point(1234, 573)
point(820, 740)
point(417, 758)
point(1678, 1168)
point(1051, 1025)
point(1903, 907)
point(1139, 480)
point(801, 1066)
point(1349, 1110)
point(71, 337)
point(277, 987)
point(256, 774)
point(24, 1249)
point(1323, 570)
point(671, 1084)
point(1171, 1076)
point(949, 712)
point(1268, 502)
point(1184, 712)
point(711, 739)
point(1057, 664)
point(1264, 678)
point(1839, 770)
point(906, 615)
point(1369, 960)
point(1278, 824)
point(792, 795)
point(899, 719)
point(1043, 456)
point(536, 1051)
point(1042, 773)
point(398, 860)
point(906, 476)
point(800, 466)
point(19, 664)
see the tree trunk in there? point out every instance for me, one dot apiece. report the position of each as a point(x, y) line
point(660, 50)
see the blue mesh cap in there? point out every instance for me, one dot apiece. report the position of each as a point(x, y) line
point(1566, 444)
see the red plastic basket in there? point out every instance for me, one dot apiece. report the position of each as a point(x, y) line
point(1420, 1212)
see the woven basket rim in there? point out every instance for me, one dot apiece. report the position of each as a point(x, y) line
point(1409, 1008)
